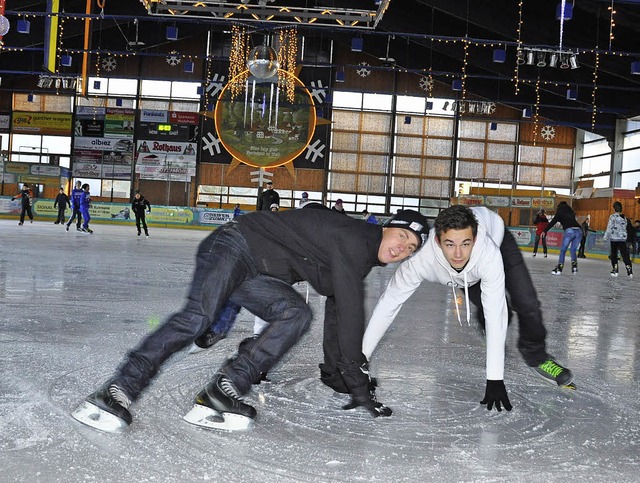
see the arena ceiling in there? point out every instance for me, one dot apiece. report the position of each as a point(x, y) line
point(448, 39)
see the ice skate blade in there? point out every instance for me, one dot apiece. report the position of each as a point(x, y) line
point(99, 419)
point(194, 349)
point(569, 385)
point(209, 418)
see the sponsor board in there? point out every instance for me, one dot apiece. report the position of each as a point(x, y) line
point(523, 236)
point(17, 168)
point(166, 148)
point(147, 115)
point(41, 123)
point(546, 203)
point(554, 238)
point(471, 200)
point(5, 122)
point(176, 117)
point(500, 201)
point(520, 202)
point(87, 170)
point(45, 170)
point(90, 111)
point(215, 217)
point(103, 144)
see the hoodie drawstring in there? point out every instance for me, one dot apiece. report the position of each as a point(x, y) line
point(466, 299)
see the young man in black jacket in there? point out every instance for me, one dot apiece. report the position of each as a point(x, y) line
point(25, 195)
point(253, 261)
point(62, 201)
point(267, 198)
point(139, 205)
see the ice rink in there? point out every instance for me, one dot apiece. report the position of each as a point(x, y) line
point(73, 304)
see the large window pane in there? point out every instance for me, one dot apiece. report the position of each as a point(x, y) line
point(185, 90)
point(123, 87)
point(153, 88)
point(351, 100)
point(57, 144)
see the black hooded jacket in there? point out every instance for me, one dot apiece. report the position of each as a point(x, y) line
point(333, 253)
point(565, 216)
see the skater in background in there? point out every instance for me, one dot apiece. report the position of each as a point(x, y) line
point(139, 204)
point(571, 238)
point(61, 202)
point(304, 199)
point(85, 204)
point(237, 211)
point(585, 231)
point(25, 195)
point(541, 223)
point(76, 194)
point(637, 228)
point(337, 206)
point(369, 217)
point(471, 248)
point(616, 234)
point(253, 261)
point(267, 198)
point(631, 237)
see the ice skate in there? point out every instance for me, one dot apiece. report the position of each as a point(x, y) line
point(629, 271)
point(205, 341)
point(106, 410)
point(218, 406)
point(557, 270)
point(553, 372)
point(574, 267)
point(614, 271)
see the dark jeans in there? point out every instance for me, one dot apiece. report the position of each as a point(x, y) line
point(141, 219)
point(544, 244)
point(61, 210)
point(583, 243)
point(76, 213)
point(523, 299)
point(619, 246)
point(26, 208)
point(224, 271)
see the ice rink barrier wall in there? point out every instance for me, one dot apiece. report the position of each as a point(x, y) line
point(210, 218)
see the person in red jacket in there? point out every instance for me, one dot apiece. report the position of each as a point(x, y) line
point(541, 223)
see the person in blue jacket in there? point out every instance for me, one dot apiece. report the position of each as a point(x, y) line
point(76, 193)
point(85, 204)
point(369, 217)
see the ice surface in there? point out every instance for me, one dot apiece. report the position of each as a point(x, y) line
point(73, 304)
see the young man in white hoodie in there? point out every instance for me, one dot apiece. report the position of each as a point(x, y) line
point(470, 248)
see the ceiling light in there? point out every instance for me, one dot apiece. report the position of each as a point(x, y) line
point(573, 62)
point(530, 58)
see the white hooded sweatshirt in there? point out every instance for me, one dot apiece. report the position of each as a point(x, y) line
point(484, 266)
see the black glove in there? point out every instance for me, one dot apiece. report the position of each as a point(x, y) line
point(496, 394)
point(365, 394)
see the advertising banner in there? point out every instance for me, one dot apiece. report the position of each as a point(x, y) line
point(41, 123)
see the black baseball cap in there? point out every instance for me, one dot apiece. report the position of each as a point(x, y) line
point(410, 220)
